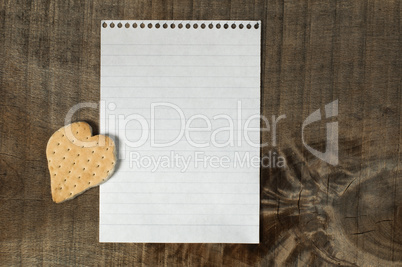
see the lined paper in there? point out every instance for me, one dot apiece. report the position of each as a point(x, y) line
point(197, 88)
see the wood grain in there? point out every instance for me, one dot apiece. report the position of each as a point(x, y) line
point(313, 52)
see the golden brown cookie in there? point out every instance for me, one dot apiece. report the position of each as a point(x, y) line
point(78, 161)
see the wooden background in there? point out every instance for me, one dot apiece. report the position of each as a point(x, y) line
point(313, 52)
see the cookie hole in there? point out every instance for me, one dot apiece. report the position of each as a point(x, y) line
point(97, 166)
point(93, 174)
point(82, 147)
point(103, 157)
point(78, 155)
point(75, 185)
point(88, 160)
point(73, 163)
point(87, 138)
point(49, 160)
point(60, 188)
point(71, 194)
point(107, 149)
point(72, 141)
point(54, 174)
point(64, 157)
point(89, 182)
point(58, 144)
point(79, 177)
point(76, 132)
point(62, 135)
point(65, 180)
point(108, 171)
point(83, 169)
point(112, 163)
point(103, 180)
point(69, 171)
point(59, 166)
point(68, 149)
point(54, 152)
point(93, 151)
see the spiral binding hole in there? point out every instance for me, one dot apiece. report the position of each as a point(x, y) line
point(181, 25)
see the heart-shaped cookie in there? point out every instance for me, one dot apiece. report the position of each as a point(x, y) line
point(78, 161)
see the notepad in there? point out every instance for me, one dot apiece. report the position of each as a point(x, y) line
point(182, 101)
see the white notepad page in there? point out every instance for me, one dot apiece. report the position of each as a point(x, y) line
point(182, 101)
